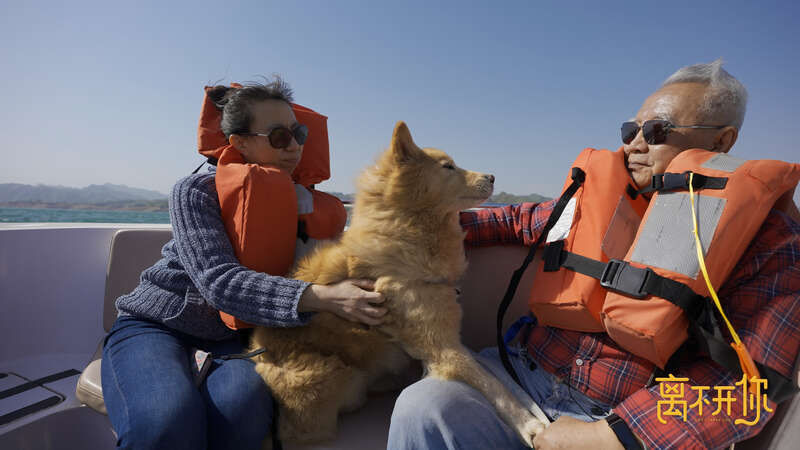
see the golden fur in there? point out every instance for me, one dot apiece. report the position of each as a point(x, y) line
point(405, 234)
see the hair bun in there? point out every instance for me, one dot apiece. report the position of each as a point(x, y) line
point(219, 95)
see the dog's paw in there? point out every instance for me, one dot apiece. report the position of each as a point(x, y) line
point(532, 428)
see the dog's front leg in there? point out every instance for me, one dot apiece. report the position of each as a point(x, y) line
point(458, 364)
point(425, 321)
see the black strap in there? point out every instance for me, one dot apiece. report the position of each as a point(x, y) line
point(552, 256)
point(30, 409)
point(620, 276)
point(578, 178)
point(210, 160)
point(37, 382)
point(631, 191)
point(302, 234)
point(243, 355)
point(779, 387)
point(672, 181)
point(623, 432)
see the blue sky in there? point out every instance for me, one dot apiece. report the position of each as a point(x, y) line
point(111, 91)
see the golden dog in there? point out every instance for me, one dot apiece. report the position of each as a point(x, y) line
point(405, 234)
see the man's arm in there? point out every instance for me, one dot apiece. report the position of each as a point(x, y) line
point(762, 299)
point(512, 224)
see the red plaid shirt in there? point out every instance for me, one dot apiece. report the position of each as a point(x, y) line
point(761, 298)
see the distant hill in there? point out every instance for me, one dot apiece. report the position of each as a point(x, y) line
point(92, 194)
point(505, 197)
point(120, 197)
point(347, 198)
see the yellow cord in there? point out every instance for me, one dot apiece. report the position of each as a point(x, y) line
point(702, 262)
point(748, 366)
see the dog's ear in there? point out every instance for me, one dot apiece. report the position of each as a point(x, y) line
point(403, 146)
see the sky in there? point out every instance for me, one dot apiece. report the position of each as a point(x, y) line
point(110, 92)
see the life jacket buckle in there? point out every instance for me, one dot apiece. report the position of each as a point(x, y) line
point(620, 276)
point(673, 181)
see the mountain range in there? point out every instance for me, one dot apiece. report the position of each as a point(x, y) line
point(117, 196)
point(505, 197)
point(92, 194)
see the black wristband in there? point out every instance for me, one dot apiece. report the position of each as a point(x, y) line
point(623, 432)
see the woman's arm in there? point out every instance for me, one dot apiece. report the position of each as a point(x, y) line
point(208, 257)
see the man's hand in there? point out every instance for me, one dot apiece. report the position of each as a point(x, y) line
point(353, 300)
point(567, 432)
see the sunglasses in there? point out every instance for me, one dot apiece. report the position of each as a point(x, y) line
point(655, 131)
point(281, 136)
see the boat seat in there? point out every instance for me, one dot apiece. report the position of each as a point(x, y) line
point(131, 252)
point(488, 273)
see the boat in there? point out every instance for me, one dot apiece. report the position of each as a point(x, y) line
point(58, 283)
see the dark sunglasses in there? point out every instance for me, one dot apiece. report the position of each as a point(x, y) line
point(281, 137)
point(655, 131)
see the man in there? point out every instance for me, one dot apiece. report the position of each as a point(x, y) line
point(580, 378)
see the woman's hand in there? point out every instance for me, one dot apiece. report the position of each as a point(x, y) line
point(351, 299)
point(567, 432)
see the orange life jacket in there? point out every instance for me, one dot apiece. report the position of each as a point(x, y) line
point(633, 267)
point(259, 204)
point(569, 299)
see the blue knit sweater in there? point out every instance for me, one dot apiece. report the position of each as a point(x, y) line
point(198, 274)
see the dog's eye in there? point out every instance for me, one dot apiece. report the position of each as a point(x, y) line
point(449, 166)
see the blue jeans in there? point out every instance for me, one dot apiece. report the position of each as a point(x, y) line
point(437, 414)
point(153, 402)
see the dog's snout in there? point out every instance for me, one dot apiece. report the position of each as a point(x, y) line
point(490, 178)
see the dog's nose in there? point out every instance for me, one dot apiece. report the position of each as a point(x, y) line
point(490, 178)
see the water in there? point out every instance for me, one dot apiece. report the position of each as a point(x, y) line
point(8, 215)
point(11, 215)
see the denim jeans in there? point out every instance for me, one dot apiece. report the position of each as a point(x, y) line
point(152, 400)
point(438, 414)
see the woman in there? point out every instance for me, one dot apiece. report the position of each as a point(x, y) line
point(147, 374)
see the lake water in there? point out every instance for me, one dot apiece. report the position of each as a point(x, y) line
point(8, 215)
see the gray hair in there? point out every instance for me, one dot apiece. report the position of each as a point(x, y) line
point(725, 100)
point(235, 103)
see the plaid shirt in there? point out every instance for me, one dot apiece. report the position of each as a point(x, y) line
point(761, 298)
